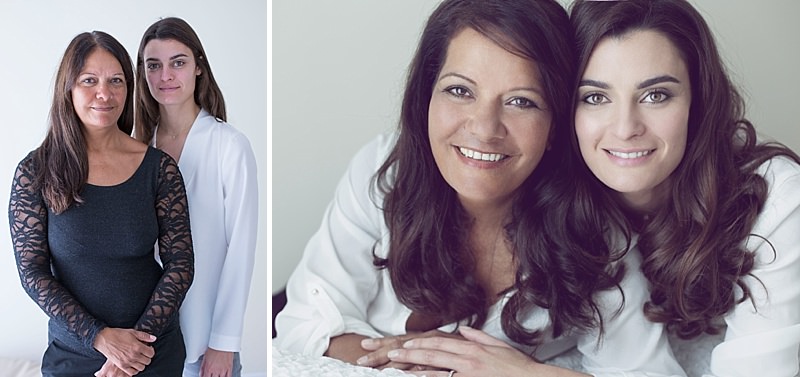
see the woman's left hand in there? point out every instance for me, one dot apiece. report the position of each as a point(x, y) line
point(110, 370)
point(479, 355)
point(216, 363)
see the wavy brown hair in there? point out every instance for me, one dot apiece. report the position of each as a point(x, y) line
point(61, 160)
point(693, 247)
point(431, 268)
point(207, 94)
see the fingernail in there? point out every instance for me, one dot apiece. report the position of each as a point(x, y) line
point(362, 360)
point(393, 353)
point(367, 342)
point(408, 344)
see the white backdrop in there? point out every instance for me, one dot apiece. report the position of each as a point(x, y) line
point(33, 37)
point(339, 70)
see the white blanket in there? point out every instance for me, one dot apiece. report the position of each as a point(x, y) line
point(693, 356)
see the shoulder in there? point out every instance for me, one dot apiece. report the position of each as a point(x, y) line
point(26, 170)
point(28, 162)
point(779, 218)
point(229, 136)
point(781, 173)
point(376, 151)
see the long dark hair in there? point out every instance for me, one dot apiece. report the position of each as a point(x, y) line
point(61, 160)
point(430, 267)
point(693, 247)
point(207, 94)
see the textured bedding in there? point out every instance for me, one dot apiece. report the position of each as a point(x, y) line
point(693, 356)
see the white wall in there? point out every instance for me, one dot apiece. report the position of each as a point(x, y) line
point(33, 37)
point(339, 69)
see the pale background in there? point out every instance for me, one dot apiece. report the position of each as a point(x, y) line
point(339, 69)
point(33, 37)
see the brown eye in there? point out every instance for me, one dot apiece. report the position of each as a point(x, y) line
point(595, 99)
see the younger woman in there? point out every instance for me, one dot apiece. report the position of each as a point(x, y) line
point(675, 167)
point(180, 110)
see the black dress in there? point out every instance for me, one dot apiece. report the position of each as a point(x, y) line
point(93, 265)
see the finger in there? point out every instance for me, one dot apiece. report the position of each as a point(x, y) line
point(400, 366)
point(431, 373)
point(148, 352)
point(143, 336)
point(481, 337)
point(374, 344)
point(430, 357)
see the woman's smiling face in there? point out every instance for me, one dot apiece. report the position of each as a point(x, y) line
point(632, 116)
point(488, 123)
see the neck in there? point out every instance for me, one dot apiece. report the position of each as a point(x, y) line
point(102, 140)
point(488, 216)
point(177, 119)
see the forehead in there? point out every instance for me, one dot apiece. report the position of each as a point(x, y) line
point(635, 55)
point(160, 48)
point(474, 54)
point(101, 60)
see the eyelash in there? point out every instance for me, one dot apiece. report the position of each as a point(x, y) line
point(93, 81)
point(458, 91)
point(659, 92)
point(175, 64)
point(462, 92)
point(586, 99)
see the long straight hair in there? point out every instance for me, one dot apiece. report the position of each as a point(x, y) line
point(207, 94)
point(431, 268)
point(693, 248)
point(61, 160)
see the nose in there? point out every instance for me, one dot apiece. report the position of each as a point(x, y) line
point(629, 123)
point(103, 92)
point(486, 122)
point(166, 74)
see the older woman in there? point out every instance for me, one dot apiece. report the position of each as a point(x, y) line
point(86, 209)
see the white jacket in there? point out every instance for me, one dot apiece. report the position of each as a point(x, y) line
point(336, 290)
point(764, 341)
point(219, 171)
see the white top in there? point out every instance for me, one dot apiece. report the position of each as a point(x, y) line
point(219, 172)
point(336, 290)
point(764, 341)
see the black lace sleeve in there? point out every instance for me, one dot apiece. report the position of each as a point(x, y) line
point(175, 250)
point(27, 218)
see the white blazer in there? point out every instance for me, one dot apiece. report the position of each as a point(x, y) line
point(219, 171)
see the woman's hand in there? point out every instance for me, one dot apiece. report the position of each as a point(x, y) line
point(111, 370)
point(380, 347)
point(479, 355)
point(216, 363)
point(127, 349)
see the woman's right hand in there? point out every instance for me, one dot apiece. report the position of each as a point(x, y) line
point(128, 349)
point(380, 347)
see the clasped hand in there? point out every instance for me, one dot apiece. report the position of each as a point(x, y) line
point(473, 353)
point(127, 351)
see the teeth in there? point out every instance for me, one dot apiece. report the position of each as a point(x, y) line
point(475, 155)
point(629, 155)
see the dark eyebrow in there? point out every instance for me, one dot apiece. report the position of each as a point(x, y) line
point(457, 75)
point(171, 58)
point(657, 80)
point(530, 89)
point(595, 83)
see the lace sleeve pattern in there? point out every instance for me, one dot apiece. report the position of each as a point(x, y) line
point(175, 250)
point(27, 217)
